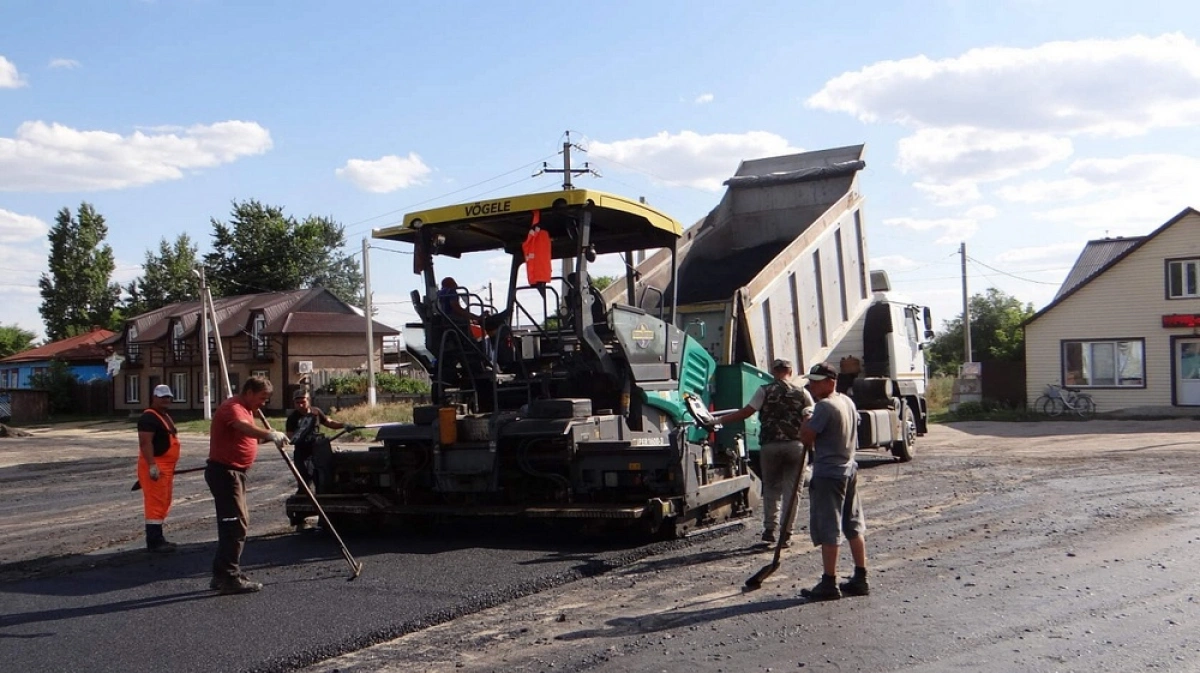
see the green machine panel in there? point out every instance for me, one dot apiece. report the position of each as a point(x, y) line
point(735, 385)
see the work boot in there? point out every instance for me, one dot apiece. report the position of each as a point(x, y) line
point(155, 542)
point(768, 536)
point(161, 547)
point(785, 541)
point(825, 590)
point(239, 585)
point(856, 585)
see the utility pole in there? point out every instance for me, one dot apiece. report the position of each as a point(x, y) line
point(207, 372)
point(216, 330)
point(370, 327)
point(966, 307)
point(568, 265)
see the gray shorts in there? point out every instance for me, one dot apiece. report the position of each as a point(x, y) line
point(834, 509)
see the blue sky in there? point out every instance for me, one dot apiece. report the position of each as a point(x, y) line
point(1022, 127)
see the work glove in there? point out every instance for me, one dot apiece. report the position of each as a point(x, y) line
point(154, 473)
point(278, 438)
point(349, 427)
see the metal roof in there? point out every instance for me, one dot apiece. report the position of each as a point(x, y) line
point(1093, 258)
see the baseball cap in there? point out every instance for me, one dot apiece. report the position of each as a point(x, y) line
point(299, 394)
point(163, 391)
point(821, 371)
point(781, 364)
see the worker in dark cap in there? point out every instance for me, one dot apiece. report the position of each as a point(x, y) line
point(782, 408)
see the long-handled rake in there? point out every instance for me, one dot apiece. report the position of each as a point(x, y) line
point(355, 566)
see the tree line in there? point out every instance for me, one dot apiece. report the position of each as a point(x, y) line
point(259, 249)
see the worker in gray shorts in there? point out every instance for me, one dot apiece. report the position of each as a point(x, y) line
point(833, 505)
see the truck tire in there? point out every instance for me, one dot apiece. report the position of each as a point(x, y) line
point(903, 448)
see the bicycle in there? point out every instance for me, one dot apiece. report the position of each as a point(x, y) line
point(1057, 399)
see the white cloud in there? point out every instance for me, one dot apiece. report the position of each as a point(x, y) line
point(67, 63)
point(1056, 252)
point(1129, 195)
point(984, 212)
point(894, 263)
point(948, 229)
point(688, 158)
point(961, 153)
point(55, 158)
point(17, 228)
point(994, 113)
point(1118, 87)
point(9, 77)
point(951, 194)
point(703, 98)
point(387, 173)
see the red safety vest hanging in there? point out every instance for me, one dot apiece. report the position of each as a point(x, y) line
point(537, 252)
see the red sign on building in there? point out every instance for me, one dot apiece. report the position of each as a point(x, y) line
point(1181, 320)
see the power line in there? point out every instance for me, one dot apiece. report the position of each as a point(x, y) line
point(1010, 275)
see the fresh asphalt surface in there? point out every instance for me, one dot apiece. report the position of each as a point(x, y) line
point(139, 612)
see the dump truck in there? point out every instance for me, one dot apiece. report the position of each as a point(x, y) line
point(554, 404)
point(779, 269)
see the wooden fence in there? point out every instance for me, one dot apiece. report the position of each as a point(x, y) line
point(24, 407)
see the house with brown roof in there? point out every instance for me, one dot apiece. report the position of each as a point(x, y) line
point(1125, 325)
point(84, 356)
point(288, 337)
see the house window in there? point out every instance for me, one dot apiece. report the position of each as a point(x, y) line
point(133, 350)
point(9, 378)
point(179, 385)
point(178, 347)
point(133, 388)
point(258, 342)
point(1104, 363)
point(1183, 278)
point(261, 373)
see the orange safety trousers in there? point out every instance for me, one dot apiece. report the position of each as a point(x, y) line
point(156, 495)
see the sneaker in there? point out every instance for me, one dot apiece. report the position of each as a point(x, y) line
point(856, 586)
point(238, 585)
point(215, 582)
point(768, 536)
point(825, 590)
point(161, 547)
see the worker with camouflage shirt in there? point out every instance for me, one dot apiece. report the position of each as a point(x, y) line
point(781, 408)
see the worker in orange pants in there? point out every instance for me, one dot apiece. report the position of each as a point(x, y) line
point(158, 452)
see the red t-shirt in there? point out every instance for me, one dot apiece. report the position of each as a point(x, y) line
point(228, 445)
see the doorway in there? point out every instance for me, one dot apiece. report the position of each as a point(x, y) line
point(1187, 372)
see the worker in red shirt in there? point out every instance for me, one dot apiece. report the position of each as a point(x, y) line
point(232, 447)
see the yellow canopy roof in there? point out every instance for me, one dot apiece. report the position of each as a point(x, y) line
point(618, 223)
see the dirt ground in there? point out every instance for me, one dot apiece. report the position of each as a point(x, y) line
point(1055, 546)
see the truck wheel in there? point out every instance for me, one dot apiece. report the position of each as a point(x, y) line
point(903, 448)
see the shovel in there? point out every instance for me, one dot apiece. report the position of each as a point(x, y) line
point(789, 518)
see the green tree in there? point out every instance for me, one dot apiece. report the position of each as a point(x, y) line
point(996, 333)
point(14, 340)
point(59, 382)
point(167, 278)
point(263, 250)
point(77, 293)
point(603, 282)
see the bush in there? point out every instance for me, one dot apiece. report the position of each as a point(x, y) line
point(384, 382)
point(60, 383)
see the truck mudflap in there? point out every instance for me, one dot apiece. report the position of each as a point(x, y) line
point(655, 510)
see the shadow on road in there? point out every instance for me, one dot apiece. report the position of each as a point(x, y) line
point(622, 627)
point(117, 607)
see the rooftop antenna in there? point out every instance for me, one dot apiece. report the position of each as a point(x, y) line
point(566, 170)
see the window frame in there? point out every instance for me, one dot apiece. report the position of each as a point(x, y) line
point(133, 389)
point(180, 389)
point(1168, 291)
point(1116, 385)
